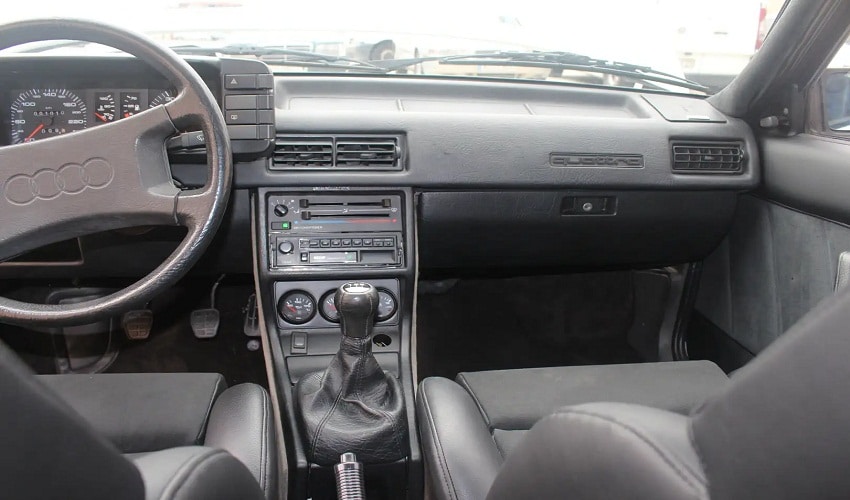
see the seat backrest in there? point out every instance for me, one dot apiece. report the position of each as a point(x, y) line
point(47, 451)
point(781, 429)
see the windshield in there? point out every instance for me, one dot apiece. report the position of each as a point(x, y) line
point(696, 46)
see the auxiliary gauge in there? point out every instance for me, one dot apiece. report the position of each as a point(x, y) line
point(296, 307)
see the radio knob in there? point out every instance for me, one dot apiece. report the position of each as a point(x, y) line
point(286, 247)
point(281, 210)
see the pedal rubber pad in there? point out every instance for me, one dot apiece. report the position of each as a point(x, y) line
point(205, 323)
point(137, 324)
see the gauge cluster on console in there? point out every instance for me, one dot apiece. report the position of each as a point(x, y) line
point(38, 113)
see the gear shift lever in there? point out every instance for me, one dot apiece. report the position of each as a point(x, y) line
point(353, 406)
point(357, 304)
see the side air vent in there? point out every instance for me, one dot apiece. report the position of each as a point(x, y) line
point(367, 153)
point(303, 152)
point(708, 157)
point(360, 152)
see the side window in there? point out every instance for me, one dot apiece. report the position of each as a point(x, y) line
point(835, 92)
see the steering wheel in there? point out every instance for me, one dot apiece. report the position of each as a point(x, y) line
point(111, 176)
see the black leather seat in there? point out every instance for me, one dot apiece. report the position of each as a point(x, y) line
point(777, 429)
point(470, 426)
point(182, 436)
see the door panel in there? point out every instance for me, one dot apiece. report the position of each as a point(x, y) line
point(780, 257)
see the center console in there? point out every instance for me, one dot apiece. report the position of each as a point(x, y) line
point(310, 242)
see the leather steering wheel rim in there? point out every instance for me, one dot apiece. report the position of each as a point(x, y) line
point(123, 163)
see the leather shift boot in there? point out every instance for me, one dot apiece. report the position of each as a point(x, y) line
point(353, 406)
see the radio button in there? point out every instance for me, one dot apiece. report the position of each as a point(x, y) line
point(314, 243)
point(286, 247)
point(346, 243)
point(335, 243)
point(305, 257)
point(357, 242)
point(326, 243)
point(367, 242)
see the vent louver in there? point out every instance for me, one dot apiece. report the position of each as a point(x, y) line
point(303, 152)
point(327, 152)
point(716, 157)
point(365, 153)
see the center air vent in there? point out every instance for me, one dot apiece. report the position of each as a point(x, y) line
point(361, 152)
point(714, 157)
point(303, 152)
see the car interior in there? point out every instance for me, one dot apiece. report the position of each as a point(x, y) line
point(249, 283)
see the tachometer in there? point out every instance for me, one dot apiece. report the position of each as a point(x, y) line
point(42, 113)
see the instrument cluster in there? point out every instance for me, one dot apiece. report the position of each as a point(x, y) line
point(39, 113)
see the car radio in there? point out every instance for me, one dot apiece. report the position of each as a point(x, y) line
point(335, 230)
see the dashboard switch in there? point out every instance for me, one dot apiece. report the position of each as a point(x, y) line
point(240, 117)
point(265, 81)
point(241, 102)
point(299, 342)
point(240, 81)
point(265, 116)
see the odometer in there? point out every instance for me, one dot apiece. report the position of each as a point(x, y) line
point(41, 113)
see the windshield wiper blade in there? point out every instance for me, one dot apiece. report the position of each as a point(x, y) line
point(282, 56)
point(558, 61)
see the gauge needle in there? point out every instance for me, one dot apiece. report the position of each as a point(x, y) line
point(32, 134)
point(291, 308)
point(102, 118)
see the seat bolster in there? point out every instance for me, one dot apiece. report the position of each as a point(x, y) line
point(241, 423)
point(192, 472)
point(140, 412)
point(604, 450)
point(459, 451)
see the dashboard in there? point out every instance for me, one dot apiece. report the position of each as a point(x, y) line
point(499, 174)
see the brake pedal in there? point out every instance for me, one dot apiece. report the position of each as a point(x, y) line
point(205, 322)
point(137, 324)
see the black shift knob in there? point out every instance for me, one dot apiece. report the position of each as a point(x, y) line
point(357, 304)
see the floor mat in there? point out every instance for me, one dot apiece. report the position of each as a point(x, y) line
point(173, 348)
point(525, 322)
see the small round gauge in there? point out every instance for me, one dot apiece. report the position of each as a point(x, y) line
point(296, 307)
point(42, 113)
point(387, 305)
point(104, 107)
point(163, 97)
point(131, 104)
point(328, 307)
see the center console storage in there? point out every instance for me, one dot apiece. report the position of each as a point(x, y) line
point(309, 243)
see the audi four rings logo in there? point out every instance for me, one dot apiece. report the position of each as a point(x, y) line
point(47, 184)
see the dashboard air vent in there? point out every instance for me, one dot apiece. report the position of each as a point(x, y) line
point(350, 152)
point(714, 157)
point(303, 152)
point(378, 153)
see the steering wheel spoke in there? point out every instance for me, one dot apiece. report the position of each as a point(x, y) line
point(108, 177)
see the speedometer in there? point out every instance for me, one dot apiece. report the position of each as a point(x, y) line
point(42, 113)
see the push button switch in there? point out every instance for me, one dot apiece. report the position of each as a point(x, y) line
point(299, 342)
point(241, 82)
point(240, 117)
